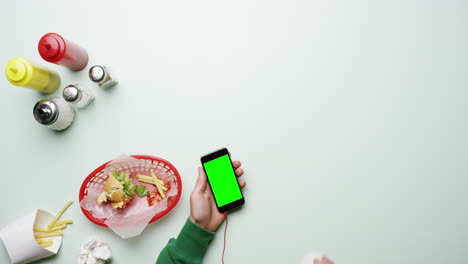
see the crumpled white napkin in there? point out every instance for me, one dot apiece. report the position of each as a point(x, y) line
point(94, 251)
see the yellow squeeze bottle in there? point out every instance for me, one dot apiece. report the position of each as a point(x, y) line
point(21, 72)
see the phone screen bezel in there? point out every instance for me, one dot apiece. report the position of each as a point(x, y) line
point(213, 156)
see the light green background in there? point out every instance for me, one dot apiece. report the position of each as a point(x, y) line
point(222, 180)
point(350, 118)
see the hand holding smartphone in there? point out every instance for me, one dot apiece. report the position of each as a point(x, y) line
point(222, 180)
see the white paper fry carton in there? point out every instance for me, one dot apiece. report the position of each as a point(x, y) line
point(19, 241)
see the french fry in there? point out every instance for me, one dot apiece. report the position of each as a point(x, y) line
point(154, 177)
point(152, 182)
point(48, 244)
point(40, 229)
point(161, 192)
point(42, 241)
point(60, 213)
point(53, 229)
point(148, 178)
point(144, 180)
point(45, 243)
point(57, 228)
point(45, 230)
point(63, 222)
point(49, 234)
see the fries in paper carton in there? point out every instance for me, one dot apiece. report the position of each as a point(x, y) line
point(20, 242)
point(35, 236)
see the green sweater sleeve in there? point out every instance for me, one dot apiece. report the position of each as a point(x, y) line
point(189, 247)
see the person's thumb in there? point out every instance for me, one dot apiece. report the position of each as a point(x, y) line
point(201, 184)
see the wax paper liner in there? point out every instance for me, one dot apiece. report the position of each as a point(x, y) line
point(132, 220)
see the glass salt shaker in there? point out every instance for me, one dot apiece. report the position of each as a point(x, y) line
point(54, 113)
point(78, 96)
point(102, 76)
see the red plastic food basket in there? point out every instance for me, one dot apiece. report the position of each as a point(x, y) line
point(97, 177)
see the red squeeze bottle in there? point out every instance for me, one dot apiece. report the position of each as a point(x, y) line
point(53, 48)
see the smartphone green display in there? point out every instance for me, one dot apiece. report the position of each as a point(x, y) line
point(222, 179)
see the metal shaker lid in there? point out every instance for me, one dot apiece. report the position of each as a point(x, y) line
point(71, 93)
point(96, 73)
point(46, 112)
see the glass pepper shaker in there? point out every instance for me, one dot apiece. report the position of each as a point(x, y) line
point(102, 76)
point(54, 113)
point(77, 95)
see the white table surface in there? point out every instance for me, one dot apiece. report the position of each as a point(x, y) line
point(350, 118)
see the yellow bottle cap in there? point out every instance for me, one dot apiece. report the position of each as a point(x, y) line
point(18, 70)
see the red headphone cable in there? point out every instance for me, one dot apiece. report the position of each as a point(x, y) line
point(225, 230)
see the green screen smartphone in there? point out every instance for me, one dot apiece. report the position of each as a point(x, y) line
point(222, 180)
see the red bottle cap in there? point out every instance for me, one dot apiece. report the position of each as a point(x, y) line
point(51, 47)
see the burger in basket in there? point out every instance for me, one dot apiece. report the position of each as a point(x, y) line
point(128, 193)
point(119, 190)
